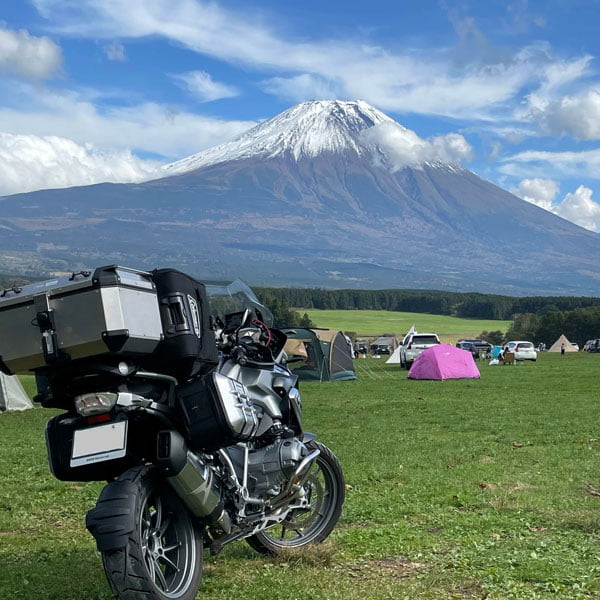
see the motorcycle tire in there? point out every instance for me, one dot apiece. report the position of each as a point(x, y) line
point(164, 554)
point(326, 490)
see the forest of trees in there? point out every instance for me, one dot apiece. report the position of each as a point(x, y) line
point(535, 318)
point(283, 315)
point(457, 304)
point(578, 325)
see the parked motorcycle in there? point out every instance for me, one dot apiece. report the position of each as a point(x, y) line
point(181, 400)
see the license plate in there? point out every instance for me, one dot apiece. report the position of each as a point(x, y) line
point(97, 444)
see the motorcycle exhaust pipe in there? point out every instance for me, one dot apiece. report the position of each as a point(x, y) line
point(192, 479)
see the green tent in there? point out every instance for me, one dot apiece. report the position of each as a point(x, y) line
point(321, 354)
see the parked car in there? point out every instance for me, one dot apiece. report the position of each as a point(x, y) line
point(483, 348)
point(469, 347)
point(413, 344)
point(575, 345)
point(522, 350)
point(593, 345)
point(361, 347)
point(380, 349)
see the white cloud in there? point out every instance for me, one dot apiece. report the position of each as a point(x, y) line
point(29, 162)
point(425, 82)
point(580, 208)
point(577, 207)
point(404, 148)
point(27, 55)
point(540, 192)
point(544, 164)
point(114, 51)
point(148, 127)
point(578, 116)
point(202, 86)
point(301, 87)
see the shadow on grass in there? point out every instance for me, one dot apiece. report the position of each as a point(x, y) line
point(50, 574)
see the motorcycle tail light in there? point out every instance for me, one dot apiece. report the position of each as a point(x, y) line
point(95, 403)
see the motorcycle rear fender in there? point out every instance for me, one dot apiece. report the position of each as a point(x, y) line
point(112, 520)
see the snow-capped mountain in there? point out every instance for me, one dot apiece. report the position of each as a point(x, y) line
point(328, 193)
point(303, 131)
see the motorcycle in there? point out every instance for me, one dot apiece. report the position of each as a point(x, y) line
point(195, 423)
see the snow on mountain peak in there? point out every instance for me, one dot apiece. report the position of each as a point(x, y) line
point(304, 130)
point(327, 126)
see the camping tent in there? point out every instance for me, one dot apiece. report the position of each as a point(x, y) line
point(12, 394)
point(562, 340)
point(394, 358)
point(444, 362)
point(325, 354)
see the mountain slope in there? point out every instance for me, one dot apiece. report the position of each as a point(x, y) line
point(310, 197)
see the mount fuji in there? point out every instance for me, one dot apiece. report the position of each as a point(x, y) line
point(327, 194)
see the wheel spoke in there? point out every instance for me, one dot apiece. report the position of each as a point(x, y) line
point(161, 576)
point(164, 526)
point(170, 563)
point(151, 567)
point(173, 547)
point(158, 512)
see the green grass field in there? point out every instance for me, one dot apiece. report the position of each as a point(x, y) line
point(373, 323)
point(466, 489)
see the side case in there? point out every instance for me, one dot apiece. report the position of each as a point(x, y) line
point(189, 347)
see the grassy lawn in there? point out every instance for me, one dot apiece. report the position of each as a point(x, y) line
point(375, 322)
point(459, 489)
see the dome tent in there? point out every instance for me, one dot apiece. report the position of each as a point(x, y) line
point(325, 354)
point(444, 362)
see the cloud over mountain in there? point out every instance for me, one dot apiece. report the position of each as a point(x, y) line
point(404, 148)
point(29, 162)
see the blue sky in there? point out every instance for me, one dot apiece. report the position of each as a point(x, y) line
point(107, 90)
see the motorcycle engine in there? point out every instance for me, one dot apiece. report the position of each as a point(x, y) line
point(270, 466)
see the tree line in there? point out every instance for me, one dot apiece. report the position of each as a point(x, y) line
point(283, 315)
point(578, 325)
point(457, 304)
point(535, 318)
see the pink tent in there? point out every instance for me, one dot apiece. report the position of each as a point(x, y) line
point(444, 362)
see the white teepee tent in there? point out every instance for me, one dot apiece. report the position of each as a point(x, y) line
point(12, 394)
point(394, 358)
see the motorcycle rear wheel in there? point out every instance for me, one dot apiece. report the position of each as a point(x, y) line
point(326, 490)
point(163, 556)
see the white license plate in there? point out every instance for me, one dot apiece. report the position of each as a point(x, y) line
point(97, 444)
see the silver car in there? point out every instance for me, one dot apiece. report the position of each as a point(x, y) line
point(413, 344)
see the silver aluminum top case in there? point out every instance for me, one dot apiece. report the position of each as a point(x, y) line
point(50, 323)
